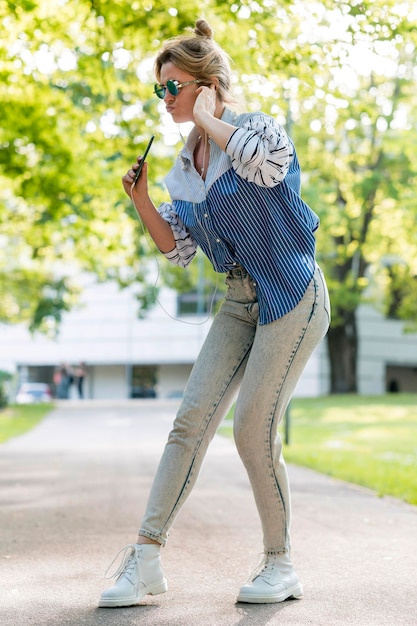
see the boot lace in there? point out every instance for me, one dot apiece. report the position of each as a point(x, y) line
point(259, 567)
point(127, 564)
point(265, 567)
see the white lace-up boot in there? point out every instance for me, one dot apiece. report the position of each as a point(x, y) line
point(139, 574)
point(273, 581)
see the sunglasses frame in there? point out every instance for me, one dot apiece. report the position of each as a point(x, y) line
point(173, 86)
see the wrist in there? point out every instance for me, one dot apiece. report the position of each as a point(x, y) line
point(203, 119)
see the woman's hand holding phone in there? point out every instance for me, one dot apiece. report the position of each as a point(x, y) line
point(142, 161)
point(130, 179)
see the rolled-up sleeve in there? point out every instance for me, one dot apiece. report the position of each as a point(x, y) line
point(185, 246)
point(261, 151)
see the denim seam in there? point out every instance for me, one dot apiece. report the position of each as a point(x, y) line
point(273, 413)
point(197, 447)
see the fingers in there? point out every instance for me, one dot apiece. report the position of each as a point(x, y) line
point(206, 99)
point(127, 180)
point(206, 88)
point(129, 177)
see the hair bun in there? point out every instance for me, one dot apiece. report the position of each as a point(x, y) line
point(202, 29)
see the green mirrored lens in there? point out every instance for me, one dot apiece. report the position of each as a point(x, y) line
point(159, 90)
point(172, 88)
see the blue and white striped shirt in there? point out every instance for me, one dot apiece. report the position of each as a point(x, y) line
point(247, 212)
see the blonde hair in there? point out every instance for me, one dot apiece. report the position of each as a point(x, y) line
point(200, 56)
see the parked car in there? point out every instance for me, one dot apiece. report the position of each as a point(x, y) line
point(33, 392)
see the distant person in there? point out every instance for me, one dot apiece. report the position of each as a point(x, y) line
point(79, 373)
point(57, 381)
point(235, 193)
point(64, 375)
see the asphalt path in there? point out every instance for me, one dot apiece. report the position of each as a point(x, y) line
point(72, 494)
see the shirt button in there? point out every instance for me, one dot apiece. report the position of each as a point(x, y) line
point(218, 240)
point(205, 215)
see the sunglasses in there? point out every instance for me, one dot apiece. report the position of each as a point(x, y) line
point(173, 86)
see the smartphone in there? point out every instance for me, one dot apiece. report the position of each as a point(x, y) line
point(138, 171)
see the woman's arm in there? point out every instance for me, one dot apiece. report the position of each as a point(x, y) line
point(207, 112)
point(158, 228)
point(260, 150)
point(164, 226)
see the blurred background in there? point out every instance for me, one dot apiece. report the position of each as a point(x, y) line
point(88, 309)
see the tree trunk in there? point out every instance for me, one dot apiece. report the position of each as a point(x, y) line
point(343, 351)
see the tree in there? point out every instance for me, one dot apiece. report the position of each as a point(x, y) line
point(77, 106)
point(74, 116)
point(4, 378)
point(360, 162)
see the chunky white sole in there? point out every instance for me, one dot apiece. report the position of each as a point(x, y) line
point(296, 591)
point(153, 590)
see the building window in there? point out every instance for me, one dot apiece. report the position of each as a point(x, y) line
point(198, 303)
point(401, 378)
point(144, 379)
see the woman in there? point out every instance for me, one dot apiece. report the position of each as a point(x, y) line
point(234, 193)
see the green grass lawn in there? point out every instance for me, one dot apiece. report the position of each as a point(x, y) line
point(17, 419)
point(370, 441)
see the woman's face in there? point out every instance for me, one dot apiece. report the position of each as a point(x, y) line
point(180, 106)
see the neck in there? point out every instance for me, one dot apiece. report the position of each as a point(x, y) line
point(218, 112)
point(202, 134)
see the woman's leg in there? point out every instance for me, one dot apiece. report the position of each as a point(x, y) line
point(209, 394)
point(279, 354)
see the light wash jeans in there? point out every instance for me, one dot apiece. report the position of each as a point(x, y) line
point(261, 365)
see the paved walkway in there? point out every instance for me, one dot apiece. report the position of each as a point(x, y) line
point(72, 494)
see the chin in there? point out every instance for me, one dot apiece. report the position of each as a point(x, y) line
point(181, 119)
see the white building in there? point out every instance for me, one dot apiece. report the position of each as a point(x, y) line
point(387, 354)
point(128, 357)
point(125, 356)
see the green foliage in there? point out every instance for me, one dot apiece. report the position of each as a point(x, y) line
point(4, 376)
point(77, 107)
point(359, 154)
point(402, 295)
